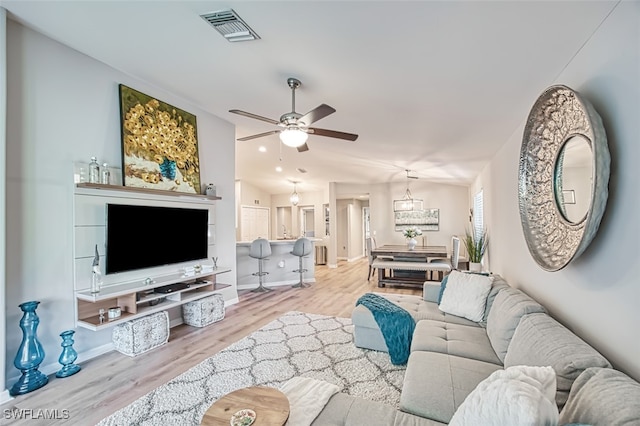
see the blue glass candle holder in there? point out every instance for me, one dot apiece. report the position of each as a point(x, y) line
point(68, 355)
point(30, 353)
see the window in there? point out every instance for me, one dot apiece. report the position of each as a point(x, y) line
point(478, 214)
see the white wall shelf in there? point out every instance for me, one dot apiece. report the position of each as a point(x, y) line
point(150, 191)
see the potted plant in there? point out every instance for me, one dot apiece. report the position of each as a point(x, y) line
point(476, 245)
point(410, 234)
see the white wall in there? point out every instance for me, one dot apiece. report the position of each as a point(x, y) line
point(343, 225)
point(451, 200)
point(292, 220)
point(3, 144)
point(251, 195)
point(356, 240)
point(597, 295)
point(63, 107)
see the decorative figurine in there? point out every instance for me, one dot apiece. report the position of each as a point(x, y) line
point(96, 275)
point(68, 355)
point(30, 353)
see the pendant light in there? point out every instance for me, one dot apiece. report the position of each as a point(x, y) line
point(407, 203)
point(294, 198)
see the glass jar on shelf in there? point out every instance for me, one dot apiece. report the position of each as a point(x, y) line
point(94, 171)
point(105, 177)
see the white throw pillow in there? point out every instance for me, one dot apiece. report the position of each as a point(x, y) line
point(466, 295)
point(520, 395)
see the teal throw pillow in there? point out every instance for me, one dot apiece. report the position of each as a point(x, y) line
point(443, 285)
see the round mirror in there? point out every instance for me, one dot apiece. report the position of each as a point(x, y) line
point(563, 177)
point(573, 178)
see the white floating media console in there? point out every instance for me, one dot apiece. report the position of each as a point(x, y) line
point(128, 296)
point(135, 292)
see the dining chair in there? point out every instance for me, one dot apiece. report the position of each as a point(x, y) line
point(369, 247)
point(455, 257)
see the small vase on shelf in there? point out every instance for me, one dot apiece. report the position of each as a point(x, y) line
point(30, 353)
point(68, 355)
point(411, 243)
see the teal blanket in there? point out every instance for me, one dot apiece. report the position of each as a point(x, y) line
point(396, 325)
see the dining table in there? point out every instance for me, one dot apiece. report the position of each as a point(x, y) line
point(423, 253)
point(399, 255)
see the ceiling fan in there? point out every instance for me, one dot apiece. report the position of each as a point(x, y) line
point(295, 127)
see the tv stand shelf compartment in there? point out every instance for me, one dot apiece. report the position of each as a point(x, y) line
point(124, 296)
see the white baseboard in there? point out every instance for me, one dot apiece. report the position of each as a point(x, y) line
point(332, 265)
point(50, 369)
point(275, 284)
point(231, 302)
point(353, 259)
point(176, 321)
point(5, 397)
point(95, 352)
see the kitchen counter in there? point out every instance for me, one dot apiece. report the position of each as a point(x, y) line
point(279, 265)
point(278, 241)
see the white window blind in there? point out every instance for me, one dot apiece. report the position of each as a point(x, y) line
point(478, 214)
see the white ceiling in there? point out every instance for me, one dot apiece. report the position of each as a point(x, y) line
point(435, 87)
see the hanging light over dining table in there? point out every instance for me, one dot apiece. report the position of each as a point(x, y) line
point(408, 203)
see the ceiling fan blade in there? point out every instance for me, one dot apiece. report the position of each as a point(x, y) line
point(332, 134)
point(303, 148)
point(259, 135)
point(316, 114)
point(257, 117)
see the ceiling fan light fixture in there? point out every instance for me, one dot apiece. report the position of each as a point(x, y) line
point(293, 137)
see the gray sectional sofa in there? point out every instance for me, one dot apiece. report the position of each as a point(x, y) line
point(451, 355)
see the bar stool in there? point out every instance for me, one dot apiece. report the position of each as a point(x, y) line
point(260, 249)
point(301, 248)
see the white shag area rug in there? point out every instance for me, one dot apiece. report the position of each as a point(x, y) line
point(296, 344)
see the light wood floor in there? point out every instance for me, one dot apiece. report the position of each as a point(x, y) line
point(109, 382)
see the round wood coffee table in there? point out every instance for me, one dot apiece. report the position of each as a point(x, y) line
point(271, 406)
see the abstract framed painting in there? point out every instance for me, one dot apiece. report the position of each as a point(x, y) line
point(159, 144)
point(425, 220)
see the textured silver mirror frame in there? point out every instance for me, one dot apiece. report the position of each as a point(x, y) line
point(557, 115)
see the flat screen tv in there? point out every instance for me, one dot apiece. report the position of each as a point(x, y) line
point(140, 237)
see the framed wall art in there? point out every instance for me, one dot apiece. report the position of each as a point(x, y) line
point(159, 144)
point(426, 220)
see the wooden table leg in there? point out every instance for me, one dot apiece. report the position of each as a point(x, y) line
point(381, 277)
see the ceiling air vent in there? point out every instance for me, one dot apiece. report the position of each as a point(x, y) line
point(230, 25)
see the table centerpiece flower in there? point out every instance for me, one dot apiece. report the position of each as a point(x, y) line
point(410, 234)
